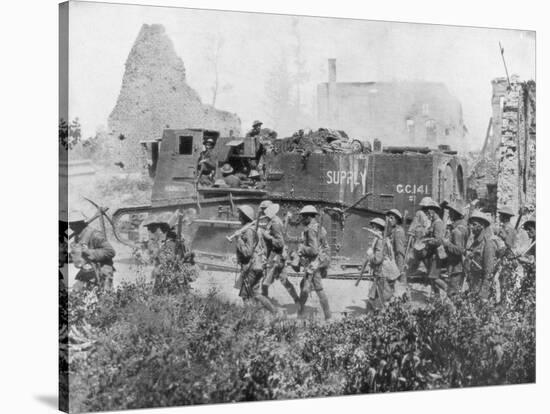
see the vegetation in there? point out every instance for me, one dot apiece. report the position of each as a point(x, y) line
point(177, 349)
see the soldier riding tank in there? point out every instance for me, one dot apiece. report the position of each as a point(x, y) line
point(348, 188)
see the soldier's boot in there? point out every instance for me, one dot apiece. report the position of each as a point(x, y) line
point(323, 299)
point(302, 302)
point(291, 290)
point(266, 304)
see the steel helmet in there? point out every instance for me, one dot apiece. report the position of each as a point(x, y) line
point(426, 202)
point(272, 210)
point(456, 209)
point(264, 204)
point(379, 222)
point(507, 211)
point(531, 221)
point(479, 216)
point(256, 122)
point(396, 213)
point(309, 209)
point(253, 174)
point(247, 211)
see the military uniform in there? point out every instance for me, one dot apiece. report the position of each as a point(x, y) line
point(508, 234)
point(96, 252)
point(483, 253)
point(399, 245)
point(207, 166)
point(275, 254)
point(381, 288)
point(455, 248)
point(250, 255)
point(420, 225)
point(315, 252)
point(232, 181)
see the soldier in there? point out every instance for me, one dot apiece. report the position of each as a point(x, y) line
point(256, 179)
point(455, 246)
point(206, 165)
point(273, 237)
point(256, 129)
point(250, 256)
point(530, 255)
point(381, 289)
point(92, 253)
point(506, 231)
point(314, 252)
point(482, 254)
point(418, 229)
point(229, 178)
point(397, 237)
point(434, 244)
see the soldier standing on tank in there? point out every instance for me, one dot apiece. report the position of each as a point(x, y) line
point(256, 129)
point(481, 254)
point(206, 165)
point(250, 256)
point(455, 246)
point(506, 231)
point(314, 252)
point(94, 255)
point(273, 236)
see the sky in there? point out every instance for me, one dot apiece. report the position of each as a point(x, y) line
point(466, 59)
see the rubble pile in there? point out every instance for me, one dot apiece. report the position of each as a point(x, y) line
point(323, 140)
point(155, 95)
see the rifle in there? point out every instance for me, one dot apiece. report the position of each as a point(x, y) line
point(242, 230)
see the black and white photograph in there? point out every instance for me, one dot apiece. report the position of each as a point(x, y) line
point(258, 206)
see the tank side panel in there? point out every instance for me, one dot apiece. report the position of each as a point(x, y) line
point(173, 180)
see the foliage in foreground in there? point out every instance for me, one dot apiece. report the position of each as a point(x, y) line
point(183, 349)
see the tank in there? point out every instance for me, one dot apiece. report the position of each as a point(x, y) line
point(348, 188)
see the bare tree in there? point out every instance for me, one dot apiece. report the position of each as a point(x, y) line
point(215, 57)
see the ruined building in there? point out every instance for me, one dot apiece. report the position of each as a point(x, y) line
point(406, 113)
point(504, 174)
point(155, 95)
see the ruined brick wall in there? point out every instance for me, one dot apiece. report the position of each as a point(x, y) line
point(155, 95)
point(516, 170)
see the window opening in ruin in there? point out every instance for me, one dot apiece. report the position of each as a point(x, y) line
point(185, 145)
point(430, 130)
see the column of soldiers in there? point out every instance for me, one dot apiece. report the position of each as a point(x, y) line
point(262, 257)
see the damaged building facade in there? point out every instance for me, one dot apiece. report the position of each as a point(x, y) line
point(154, 96)
point(397, 113)
point(505, 172)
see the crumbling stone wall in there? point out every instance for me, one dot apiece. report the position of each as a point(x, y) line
point(155, 95)
point(516, 170)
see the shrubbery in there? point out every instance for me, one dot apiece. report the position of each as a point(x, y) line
point(183, 349)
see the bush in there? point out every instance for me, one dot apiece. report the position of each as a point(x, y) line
point(179, 349)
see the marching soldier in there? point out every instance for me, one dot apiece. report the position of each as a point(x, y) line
point(273, 237)
point(206, 165)
point(482, 254)
point(418, 229)
point(381, 289)
point(529, 257)
point(397, 237)
point(455, 246)
point(92, 254)
point(506, 231)
point(434, 244)
point(314, 250)
point(250, 257)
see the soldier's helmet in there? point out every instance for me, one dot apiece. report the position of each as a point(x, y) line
point(220, 183)
point(76, 216)
point(456, 209)
point(529, 222)
point(309, 209)
point(480, 217)
point(247, 211)
point(256, 122)
point(226, 169)
point(272, 210)
point(378, 222)
point(426, 202)
point(265, 204)
point(395, 212)
point(506, 211)
point(253, 174)
point(209, 141)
